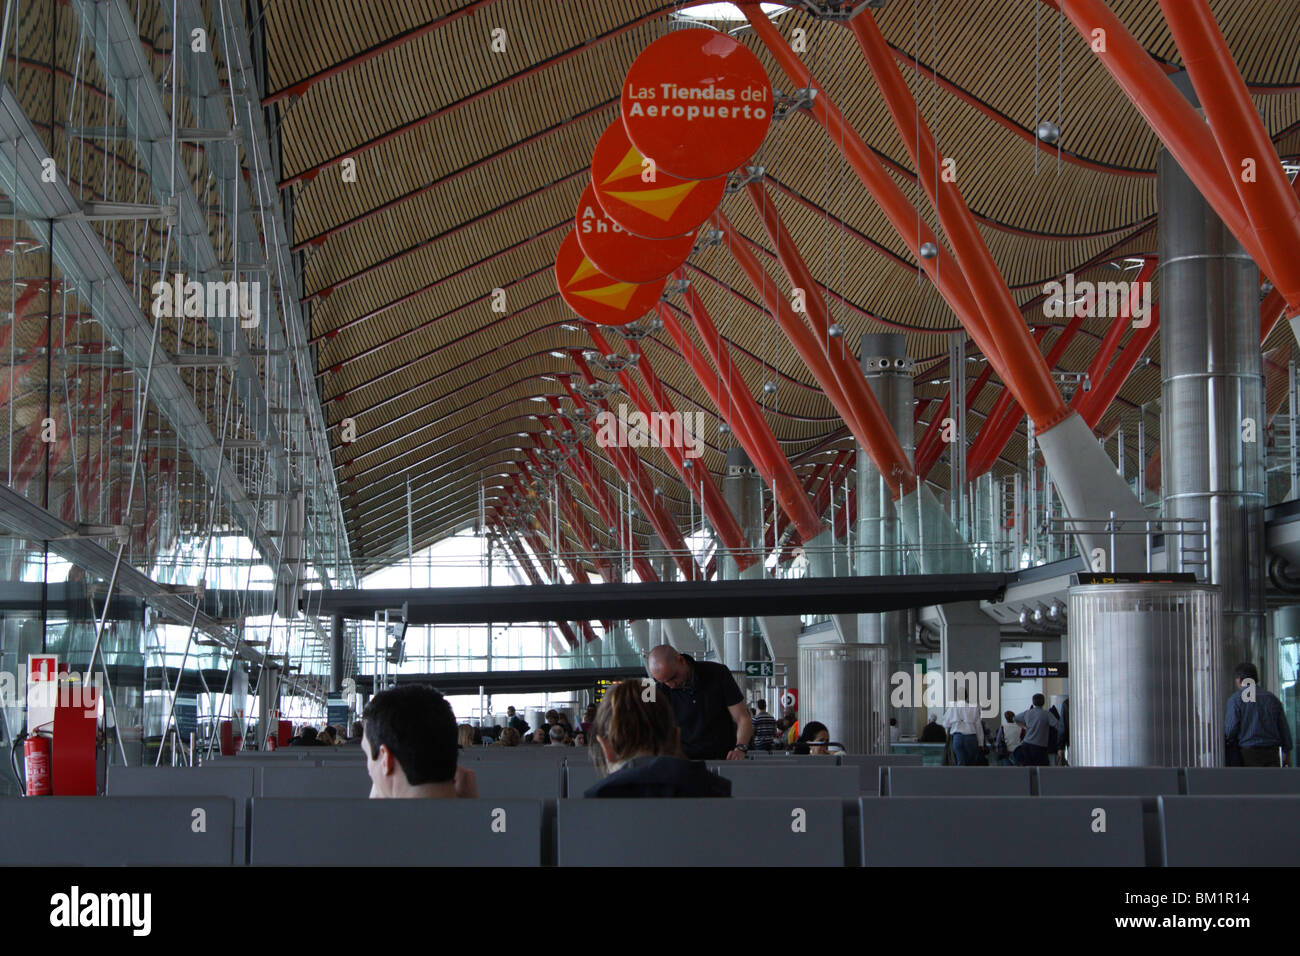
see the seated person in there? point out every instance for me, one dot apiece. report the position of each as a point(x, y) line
point(813, 739)
point(558, 735)
point(509, 738)
point(465, 736)
point(410, 746)
point(538, 736)
point(638, 749)
point(307, 737)
point(354, 736)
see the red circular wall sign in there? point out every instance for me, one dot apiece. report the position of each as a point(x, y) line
point(596, 297)
point(698, 102)
point(620, 254)
point(643, 199)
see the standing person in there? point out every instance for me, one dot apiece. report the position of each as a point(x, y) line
point(1038, 725)
point(1256, 723)
point(962, 722)
point(764, 727)
point(588, 718)
point(894, 732)
point(1008, 740)
point(933, 733)
point(709, 707)
point(518, 723)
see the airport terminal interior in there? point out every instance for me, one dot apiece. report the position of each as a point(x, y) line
point(905, 388)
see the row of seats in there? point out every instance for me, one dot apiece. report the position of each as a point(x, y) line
point(868, 831)
point(502, 779)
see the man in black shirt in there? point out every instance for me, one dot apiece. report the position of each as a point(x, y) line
point(709, 707)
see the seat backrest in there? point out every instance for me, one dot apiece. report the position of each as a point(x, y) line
point(735, 832)
point(869, 767)
point(336, 782)
point(238, 783)
point(336, 832)
point(578, 776)
point(1222, 781)
point(1108, 781)
point(958, 781)
point(527, 780)
point(1001, 831)
point(1234, 831)
point(753, 779)
point(117, 831)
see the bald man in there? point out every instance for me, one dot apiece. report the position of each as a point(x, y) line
point(709, 707)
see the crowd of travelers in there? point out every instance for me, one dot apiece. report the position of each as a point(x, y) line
point(649, 737)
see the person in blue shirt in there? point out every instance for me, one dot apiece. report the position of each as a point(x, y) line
point(1255, 722)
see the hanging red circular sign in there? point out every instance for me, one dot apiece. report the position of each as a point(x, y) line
point(698, 102)
point(619, 254)
point(643, 199)
point(595, 296)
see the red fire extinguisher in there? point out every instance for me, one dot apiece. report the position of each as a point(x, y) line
point(36, 757)
point(271, 743)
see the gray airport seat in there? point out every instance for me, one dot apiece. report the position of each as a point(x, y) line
point(1108, 781)
point(958, 781)
point(770, 780)
point(1230, 830)
point(1222, 781)
point(319, 782)
point(117, 831)
point(1019, 831)
point(333, 832)
point(531, 780)
point(578, 777)
point(869, 767)
point(717, 832)
point(238, 783)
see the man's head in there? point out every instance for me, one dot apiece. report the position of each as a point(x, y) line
point(1246, 671)
point(761, 705)
point(668, 667)
point(557, 734)
point(510, 711)
point(893, 721)
point(357, 730)
point(409, 739)
point(1010, 716)
point(539, 735)
point(1039, 700)
point(308, 735)
point(552, 716)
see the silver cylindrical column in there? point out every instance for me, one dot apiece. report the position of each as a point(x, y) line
point(1212, 414)
point(889, 372)
point(1144, 676)
point(742, 491)
point(846, 687)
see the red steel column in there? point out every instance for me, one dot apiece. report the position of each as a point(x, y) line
point(696, 478)
point(1031, 379)
point(1269, 201)
point(1178, 125)
point(862, 414)
point(764, 449)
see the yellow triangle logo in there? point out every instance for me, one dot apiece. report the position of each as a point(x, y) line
point(628, 165)
point(660, 203)
point(585, 268)
point(616, 296)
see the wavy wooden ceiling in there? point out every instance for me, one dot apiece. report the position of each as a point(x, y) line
point(469, 164)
